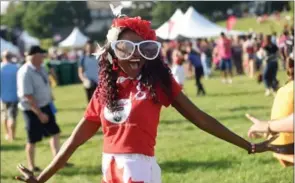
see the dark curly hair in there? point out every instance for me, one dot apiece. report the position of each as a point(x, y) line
point(154, 73)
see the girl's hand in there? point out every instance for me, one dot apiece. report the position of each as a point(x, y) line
point(28, 176)
point(264, 146)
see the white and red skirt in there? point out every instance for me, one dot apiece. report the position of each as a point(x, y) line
point(130, 168)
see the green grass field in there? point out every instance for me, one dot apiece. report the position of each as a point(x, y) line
point(185, 153)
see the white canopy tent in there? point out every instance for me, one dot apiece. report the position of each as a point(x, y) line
point(76, 39)
point(29, 40)
point(164, 30)
point(7, 46)
point(194, 25)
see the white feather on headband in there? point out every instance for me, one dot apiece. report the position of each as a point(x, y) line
point(112, 35)
point(100, 51)
point(116, 10)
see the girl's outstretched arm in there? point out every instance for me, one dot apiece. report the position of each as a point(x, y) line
point(83, 132)
point(209, 124)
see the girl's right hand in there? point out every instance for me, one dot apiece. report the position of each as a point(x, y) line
point(28, 176)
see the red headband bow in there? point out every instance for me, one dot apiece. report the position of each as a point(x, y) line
point(136, 24)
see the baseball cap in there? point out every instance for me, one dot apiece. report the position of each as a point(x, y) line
point(36, 49)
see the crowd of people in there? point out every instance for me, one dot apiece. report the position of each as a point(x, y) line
point(28, 86)
point(259, 56)
point(131, 77)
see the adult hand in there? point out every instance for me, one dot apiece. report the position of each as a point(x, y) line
point(28, 176)
point(43, 118)
point(257, 128)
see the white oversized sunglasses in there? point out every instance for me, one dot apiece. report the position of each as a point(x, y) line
point(124, 49)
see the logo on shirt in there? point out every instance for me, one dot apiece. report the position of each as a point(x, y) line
point(121, 114)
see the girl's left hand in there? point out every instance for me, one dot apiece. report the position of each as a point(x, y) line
point(264, 146)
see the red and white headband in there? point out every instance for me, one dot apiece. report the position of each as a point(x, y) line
point(121, 22)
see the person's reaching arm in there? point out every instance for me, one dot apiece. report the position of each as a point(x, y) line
point(281, 125)
point(82, 133)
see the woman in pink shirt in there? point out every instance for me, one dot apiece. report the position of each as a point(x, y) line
point(224, 50)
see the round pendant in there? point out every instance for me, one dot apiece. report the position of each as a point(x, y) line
point(117, 118)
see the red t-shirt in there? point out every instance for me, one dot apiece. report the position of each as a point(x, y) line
point(133, 128)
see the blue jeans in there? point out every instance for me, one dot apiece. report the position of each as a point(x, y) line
point(225, 64)
point(270, 74)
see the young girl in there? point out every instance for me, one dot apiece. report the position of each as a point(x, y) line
point(134, 85)
point(282, 107)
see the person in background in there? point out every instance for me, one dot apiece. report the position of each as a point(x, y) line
point(8, 96)
point(260, 55)
point(205, 51)
point(282, 45)
point(88, 70)
point(271, 66)
point(216, 58)
point(177, 68)
point(282, 108)
point(35, 96)
point(289, 43)
point(224, 49)
point(52, 56)
point(208, 53)
point(274, 38)
point(195, 61)
point(237, 53)
point(248, 48)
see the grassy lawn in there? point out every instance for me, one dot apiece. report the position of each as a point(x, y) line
point(185, 153)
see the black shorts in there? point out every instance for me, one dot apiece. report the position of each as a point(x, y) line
point(36, 130)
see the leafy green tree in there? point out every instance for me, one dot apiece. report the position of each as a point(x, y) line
point(15, 13)
point(42, 18)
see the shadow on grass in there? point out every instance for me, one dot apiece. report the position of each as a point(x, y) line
point(233, 94)
point(182, 166)
point(12, 147)
point(78, 109)
point(231, 117)
point(219, 118)
point(173, 121)
point(4, 177)
point(62, 136)
point(88, 170)
point(245, 108)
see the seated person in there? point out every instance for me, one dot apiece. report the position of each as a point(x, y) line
point(282, 107)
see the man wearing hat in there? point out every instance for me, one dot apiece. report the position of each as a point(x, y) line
point(35, 96)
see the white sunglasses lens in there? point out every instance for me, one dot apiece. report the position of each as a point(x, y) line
point(123, 49)
point(149, 50)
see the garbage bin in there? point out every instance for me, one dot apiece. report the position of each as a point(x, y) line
point(65, 73)
point(75, 75)
point(56, 67)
